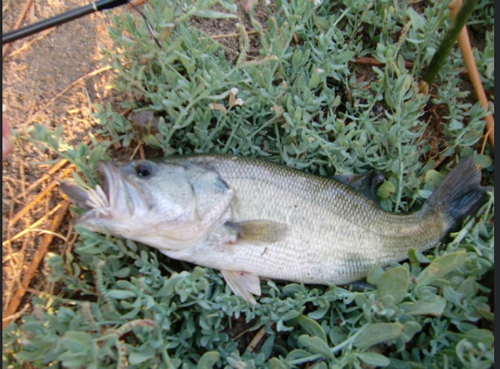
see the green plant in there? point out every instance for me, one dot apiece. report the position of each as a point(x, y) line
point(304, 104)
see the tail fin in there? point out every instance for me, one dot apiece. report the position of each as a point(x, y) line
point(459, 194)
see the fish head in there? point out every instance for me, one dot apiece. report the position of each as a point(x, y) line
point(167, 206)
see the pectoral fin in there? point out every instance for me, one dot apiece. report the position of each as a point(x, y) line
point(243, 284)
point(259, 231)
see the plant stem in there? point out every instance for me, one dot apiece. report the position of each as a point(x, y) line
point(334, 350)
point(470, 63)
point(448, 41)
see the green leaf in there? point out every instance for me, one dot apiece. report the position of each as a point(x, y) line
point(476, 336)
point(292, 314)
point(267, 347)
point(314, 81)
point(395, 283)
point(320, 313)
point(480, 335)
point(120, 294)
point(385, 190)
point(441, 266)
point(378, 333)
point(76, 341)
point(435, 308)
point(372, 358)
point(137, 357)
point(412, 256)
point(229, 5)
point(416, 256)
point(131, 245)
point(434, 177)
point(483, 161)
point(207, 13)
point(122, 273)
point(297, 354)
point(319, 365)
point(316, 345)
point(487, 315)
point(312, 327)
point(374, 274)
point(74, 361)
point(276, 363)
point(410, 328)
point(208, 360)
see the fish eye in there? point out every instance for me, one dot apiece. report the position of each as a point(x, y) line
point(144, 170)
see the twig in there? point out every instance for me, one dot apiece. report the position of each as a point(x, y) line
point(8, 232)
point(365, 60)
point(40, 196)
point(241, 334)
point(47, 232)
point(470, 63)
point(47, 175)
point(69, 242)
point(255, 341)
point(228, 35)
point(135, 151)
point(32, 12)
point(10, 290)
point(18, 23)
point(126, 112)
point(5, 6)
point(73, 84)
point(138, 2)
point(486, 139)
point(37, 223)
point(439, 162)
point(37, 259)
point(16, 315)
point(23, 181)
point(29, 43)
point(425, 128)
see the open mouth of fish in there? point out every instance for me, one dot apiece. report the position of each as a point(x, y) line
point(116, 197)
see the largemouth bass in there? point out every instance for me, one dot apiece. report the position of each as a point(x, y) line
point(254, 219)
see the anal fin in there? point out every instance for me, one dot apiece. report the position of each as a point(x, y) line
point(243, 284)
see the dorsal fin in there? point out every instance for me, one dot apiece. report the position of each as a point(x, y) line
point(365, 183)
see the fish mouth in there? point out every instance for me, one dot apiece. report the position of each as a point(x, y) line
point(117, 198)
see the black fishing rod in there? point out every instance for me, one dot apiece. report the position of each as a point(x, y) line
point(96, 6)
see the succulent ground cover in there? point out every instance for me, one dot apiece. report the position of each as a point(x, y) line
point(325, 87)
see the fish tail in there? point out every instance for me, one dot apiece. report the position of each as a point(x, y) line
point(460, 194)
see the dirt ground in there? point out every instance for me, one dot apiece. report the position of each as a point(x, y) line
point(39, 74)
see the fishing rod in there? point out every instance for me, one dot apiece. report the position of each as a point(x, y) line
point(93, 7)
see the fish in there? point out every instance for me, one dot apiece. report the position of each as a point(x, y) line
point(253, 219)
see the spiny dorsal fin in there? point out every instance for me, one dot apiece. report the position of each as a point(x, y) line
point(243, 284)
point(259, 231)
point(366, 183)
